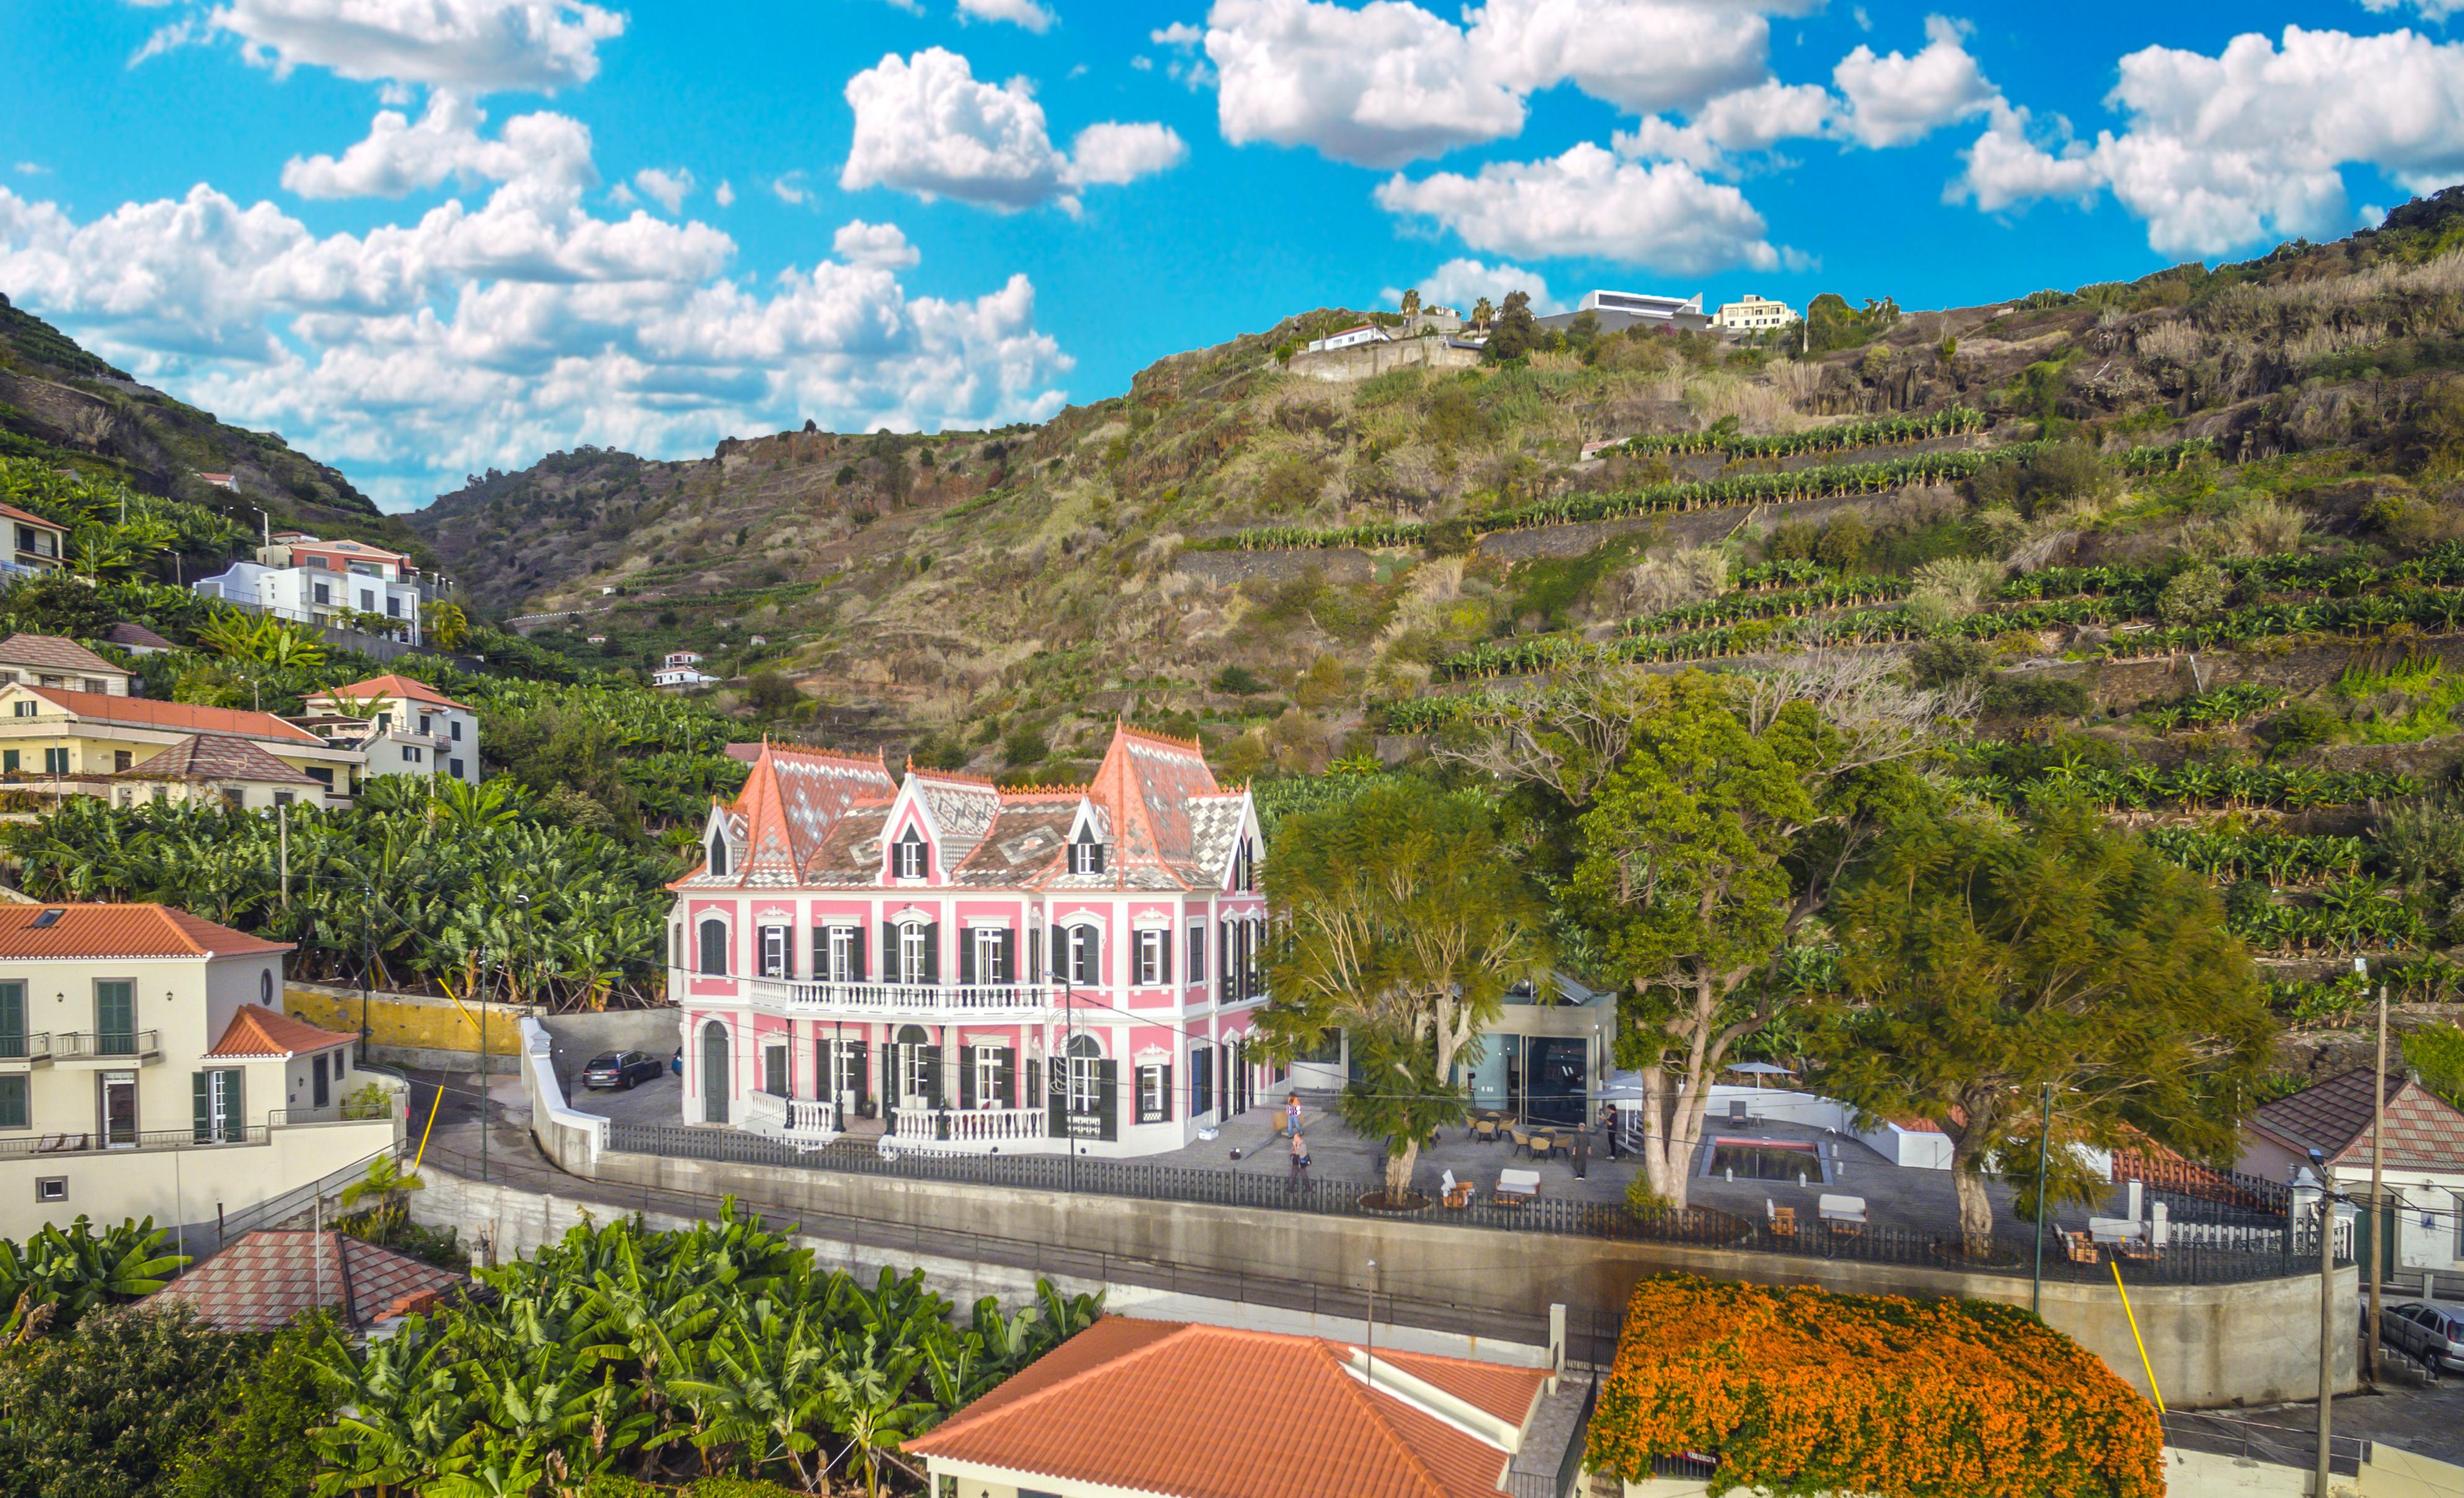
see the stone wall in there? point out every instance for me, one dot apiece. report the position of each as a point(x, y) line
point(1343, 365)
point(415, 1030)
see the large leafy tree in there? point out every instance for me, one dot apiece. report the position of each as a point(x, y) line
point(1402, 916)
point(1982, 964)
point(1708, 820)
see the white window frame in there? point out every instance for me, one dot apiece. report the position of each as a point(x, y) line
point(914, 1071)
point(912, 938)
point(910, 848)
point(842, 955)
point(1080, 1073)
point(1196, 943)
point(1150, 1090)
point(778, 953)
point(1080, 938)
point(1151, 950)
point(988, 1068)
point(988, 968)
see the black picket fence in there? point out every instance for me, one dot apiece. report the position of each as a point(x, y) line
point(2252, 1252)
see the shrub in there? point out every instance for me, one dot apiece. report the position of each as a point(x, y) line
point(103, 1412)
point(1237, 681)
point(2437, 1052)
point(2037, 696)
point(2302, 726)
point(1940, 663)
point(2195, 593)
point(1025, 746)
point(1797, 1391)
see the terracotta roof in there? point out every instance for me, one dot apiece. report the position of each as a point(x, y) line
point(1215, 1412)
point(138, 636)
point(790, 805)
point(215, 757)
point(391, 685)
point(270, 1276)
point(50, 653)
point(184, 718)
point(121, 930)
point(269, 1034)
point(12, 513)
point(2424, 1130)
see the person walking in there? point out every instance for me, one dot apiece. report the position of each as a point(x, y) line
point(1299, 1177)
point(1292, 1113)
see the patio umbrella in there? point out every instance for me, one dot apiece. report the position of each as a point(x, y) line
point(1759, 1070)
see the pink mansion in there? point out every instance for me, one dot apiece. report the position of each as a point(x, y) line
point(942, 964)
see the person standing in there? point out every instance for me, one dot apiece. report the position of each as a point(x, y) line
point(1299, 1177)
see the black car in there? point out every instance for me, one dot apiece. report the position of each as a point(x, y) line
point(621, 1069)
point(2430, 1329)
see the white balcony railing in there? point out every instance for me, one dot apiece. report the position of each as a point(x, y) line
point(969, 1001)
point(797, 1120)
point(968, 1128)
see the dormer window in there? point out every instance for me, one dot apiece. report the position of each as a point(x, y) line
point(1086, 853)
point(909, 857)
point(718, 853)
point(1244, 867)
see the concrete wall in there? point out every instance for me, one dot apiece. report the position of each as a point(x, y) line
point(2210, 1345)
point(415, 1030)
point(185, 1186)
point(1341, 366)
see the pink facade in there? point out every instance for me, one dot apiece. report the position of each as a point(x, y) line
point(952, 966)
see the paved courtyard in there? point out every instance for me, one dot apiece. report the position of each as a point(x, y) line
point(1911, 1200)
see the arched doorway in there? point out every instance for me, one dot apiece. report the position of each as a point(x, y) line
point(715, 1083)
point(915, 1068)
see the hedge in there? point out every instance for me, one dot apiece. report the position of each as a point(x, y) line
point(1799, 1392)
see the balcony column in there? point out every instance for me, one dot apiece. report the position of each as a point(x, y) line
point(953, 1057)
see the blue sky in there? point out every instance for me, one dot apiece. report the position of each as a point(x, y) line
point(424, 237)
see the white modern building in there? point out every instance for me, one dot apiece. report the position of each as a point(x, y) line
point(315, 595)
point(1754, 314)
point(1349, 338)
point(147, 1070)
point(404, 727)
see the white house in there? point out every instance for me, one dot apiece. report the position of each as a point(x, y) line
point(317, 595)
point(681, 677)
point(403, 726)
point(1351, 338)
point(1754, 314)
point(147, 1070)
point(48, 660)
point(2423, 1157)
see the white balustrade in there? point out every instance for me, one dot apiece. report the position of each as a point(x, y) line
point(795, 1120)
point(969, 1128)
point(969, 1001)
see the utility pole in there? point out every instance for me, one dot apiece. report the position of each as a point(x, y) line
point(2045, 1136)
point(367, 956)
point(1369, 1328)
point(484, 989)
point(282, 833)
point(2327, 1314)
point(2378, 1186)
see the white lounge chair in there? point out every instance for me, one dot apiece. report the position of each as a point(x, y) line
point(1517, 1187)
point(1841, 1214)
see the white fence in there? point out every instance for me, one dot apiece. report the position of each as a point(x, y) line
point(797, 1120)
point(974, 1001)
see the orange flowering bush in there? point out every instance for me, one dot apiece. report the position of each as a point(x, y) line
point(1799, 1391)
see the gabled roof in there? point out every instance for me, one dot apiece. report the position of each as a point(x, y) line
point(791, 801)
point(273, 1275)
point(138, 636)
point(12, 512)
point(121, 930)
point(2424, 1130)
point(1145, 785)
point(215, 757)
point(391, 685)
point(257, 1033)
point(963, 808)
point(52, 652)
point(181, 717)
point(1215, 1412)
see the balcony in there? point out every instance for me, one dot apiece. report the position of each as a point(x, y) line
point(900, 1000)
point(806, 1122)
point(106, 1047)
point(26, 1146)
point(20, 1051)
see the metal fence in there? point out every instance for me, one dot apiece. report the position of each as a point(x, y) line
point(2228, 1258)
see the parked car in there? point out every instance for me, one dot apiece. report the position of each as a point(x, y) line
point(2430, 1329)
point(676, 1062)
point(620, 1068)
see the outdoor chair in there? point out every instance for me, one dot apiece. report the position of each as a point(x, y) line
point(1782, 1220)
point(2082, 1246)
point(1484, 1128)
point(1456, 1195)
point(1515, 1187)
point(1844, 1216)
point(1738, 1117)
point(1520, 1136)
point(1543, 1144)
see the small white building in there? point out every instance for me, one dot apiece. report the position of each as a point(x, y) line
point(48, 660)
point(682, 678)
point(1351, 338)
point(315, 595)
point(1755, 315)
point(2424, 1156)
point(676, 659)
point(404, 727)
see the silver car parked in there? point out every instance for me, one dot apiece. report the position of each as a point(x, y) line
point(2431, 1330)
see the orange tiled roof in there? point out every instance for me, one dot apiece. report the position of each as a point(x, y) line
point(12, 512)
point(120, 931)
point(1214, 1412)
point(50, 653)
point(391, 685)
point(217, 756)
point(2423, 1131)
point(183, 718)
point(264, 1033)
point(263, 1280)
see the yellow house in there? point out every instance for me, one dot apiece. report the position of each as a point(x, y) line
point(39, 544)
point(147, 1068)
point(73, 743)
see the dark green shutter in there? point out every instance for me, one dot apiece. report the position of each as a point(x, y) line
point(891, 971)
point(12, 1103)
point(115, 1016)
point(858, 944)
point(1163, 953)
point(821, 952)
point(1107, 1099)
point(966, 957)
point(200, 1113)
point(13, 1019)
point(857, 1067)
point(967, 1077)
point(1005, 1080)
point(1056, 1096)
point(1008, 948)
point(235, 1108)
point(932, 952)
point(1166, 1115)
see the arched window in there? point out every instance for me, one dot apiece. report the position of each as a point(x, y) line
point(713, 947)
point(1083, 1059)
point(265, 988)
point(1085, 853)
point(912, 859)
point(717, 1086)
point(718, 853)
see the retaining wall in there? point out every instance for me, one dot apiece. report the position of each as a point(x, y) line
point(416, 1029)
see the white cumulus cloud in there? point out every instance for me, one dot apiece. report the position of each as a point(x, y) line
point(1028, 14)
point(667, 188)
point(1644, 56)
point(477, 46)
point(925, 125)
point(1589, 203)
point(1897, 99)
point(1743, 122)
point(859, 243)
point(1378, 86)
point(725, 194)
point(2222, 152)
point(1462, 283)
point(401, 155)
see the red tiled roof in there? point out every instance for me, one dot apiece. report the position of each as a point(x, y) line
point(1215, 1412)
point(267, 1278)
point(50, 653)
point(12, 512)
point(267, 1034)
point(121, 930)
point(184, 718)
point(137, 635)
point(391, 685)
point(2424, 1130)
point(215, 757)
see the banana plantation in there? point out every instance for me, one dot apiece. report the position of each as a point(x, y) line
point(1950, 422)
